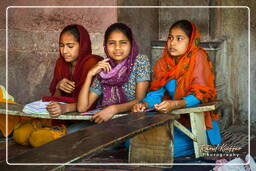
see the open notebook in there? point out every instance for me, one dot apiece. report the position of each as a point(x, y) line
point(37, 107)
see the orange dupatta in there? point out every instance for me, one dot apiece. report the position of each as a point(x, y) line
point(193, 75)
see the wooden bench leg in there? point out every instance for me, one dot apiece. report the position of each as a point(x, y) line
point(199, 130)
point(153, 146)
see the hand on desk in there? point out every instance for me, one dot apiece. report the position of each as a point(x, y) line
point(163, 107)
point(169, 105)
point(139, 107)
point(55, 109)
point(105, 114)
point(166, 106)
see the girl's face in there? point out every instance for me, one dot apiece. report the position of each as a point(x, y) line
point(118, 46)
point(177, 42)
point(69, 48)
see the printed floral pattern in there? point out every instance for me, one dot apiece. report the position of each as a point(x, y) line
point(141, 71)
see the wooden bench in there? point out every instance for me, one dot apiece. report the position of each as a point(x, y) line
point(151, 142)
point(196, 114)
point(140, 143)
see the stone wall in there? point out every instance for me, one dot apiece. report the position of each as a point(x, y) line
point(199, 16)
point(33, 35)
point(231, 24)
point(143, 21)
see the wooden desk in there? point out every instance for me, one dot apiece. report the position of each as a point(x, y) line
point(16, 109)
point(142, 146)
point(91, 140)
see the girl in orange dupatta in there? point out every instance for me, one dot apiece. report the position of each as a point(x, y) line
point(183, 77)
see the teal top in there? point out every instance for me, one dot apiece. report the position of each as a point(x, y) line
point(141, 71)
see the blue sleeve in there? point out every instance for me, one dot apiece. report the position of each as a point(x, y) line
point(191, 100)
point(154, 97)
point(171, 86)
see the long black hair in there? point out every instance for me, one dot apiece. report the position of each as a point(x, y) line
point(185, 25)
point(120, 27)
point(73, 30)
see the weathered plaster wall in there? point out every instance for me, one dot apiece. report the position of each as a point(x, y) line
point(143, 21)
point(33, 41)
point(232, 25)
point(199, 16)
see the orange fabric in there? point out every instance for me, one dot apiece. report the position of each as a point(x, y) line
point(3, 100)
point(15, 121)
point(25, 128)
point(193, 75)
point(23, 131)
point(8, 101)
point(12, 120)
point(44, 135)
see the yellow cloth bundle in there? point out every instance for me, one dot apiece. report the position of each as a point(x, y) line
point(37, 132)
point(28, 131)
point(44, 135)
point(22, 133)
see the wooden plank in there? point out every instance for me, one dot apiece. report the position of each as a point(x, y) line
point(153, 146)
point(66, 116)
point(199, 130)
point(11, 107)
point(88, 141)
point(200, 108)
point(185, 130)
point(16, 109)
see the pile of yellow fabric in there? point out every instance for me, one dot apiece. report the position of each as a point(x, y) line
point(44, 135)
point(28, 131)
point(13, 121)
point(37, 133)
